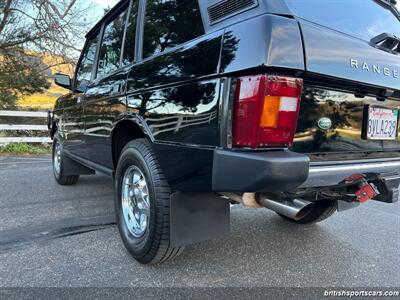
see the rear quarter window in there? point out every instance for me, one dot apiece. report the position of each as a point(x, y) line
point(170, 23)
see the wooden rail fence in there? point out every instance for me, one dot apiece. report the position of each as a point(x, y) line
point(12, 127)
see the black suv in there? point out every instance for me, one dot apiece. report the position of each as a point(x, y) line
point(192, 106)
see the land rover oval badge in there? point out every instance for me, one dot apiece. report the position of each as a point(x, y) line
point(325, 123)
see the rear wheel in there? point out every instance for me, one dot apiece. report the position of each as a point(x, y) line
point(59, 162)
point(321, 211)
point(142, 205)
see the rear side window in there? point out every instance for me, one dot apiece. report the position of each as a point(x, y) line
point(84, 73)
point(170, 23)
point(129, 49)
point(110, 50)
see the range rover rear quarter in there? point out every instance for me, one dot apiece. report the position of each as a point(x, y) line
point(195, 105)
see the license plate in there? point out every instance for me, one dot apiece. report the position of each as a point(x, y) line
point(382, 123)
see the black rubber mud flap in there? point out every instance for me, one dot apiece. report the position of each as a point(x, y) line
point(198, 217)
point(71, 167)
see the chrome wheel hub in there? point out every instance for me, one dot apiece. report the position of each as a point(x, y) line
point(57, 158)
point(135, 201)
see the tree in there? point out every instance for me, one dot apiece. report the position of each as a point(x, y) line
point(30, 29)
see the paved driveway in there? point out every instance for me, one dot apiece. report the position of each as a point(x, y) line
point(65, 236)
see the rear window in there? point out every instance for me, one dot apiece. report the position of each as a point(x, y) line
point(362, 18)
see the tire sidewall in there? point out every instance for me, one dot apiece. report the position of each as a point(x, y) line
point(57, 175)
point(138, 247)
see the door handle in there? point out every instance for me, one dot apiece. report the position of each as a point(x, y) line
point(116, 88)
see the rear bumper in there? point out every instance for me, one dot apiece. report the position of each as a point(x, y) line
point(271, 171)
point(329, 174)
point(282, 171)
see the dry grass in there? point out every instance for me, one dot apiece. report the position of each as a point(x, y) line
point(40, 101)
point(47, 99)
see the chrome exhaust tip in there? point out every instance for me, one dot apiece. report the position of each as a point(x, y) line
point(295, 209)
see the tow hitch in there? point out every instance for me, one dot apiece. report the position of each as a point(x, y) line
point(366, 190)
point(355, 190)
point(370, 186)
point(360, 188)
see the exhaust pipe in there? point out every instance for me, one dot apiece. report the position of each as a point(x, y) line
point(295, 209)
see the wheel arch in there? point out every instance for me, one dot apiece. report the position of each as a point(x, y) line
point(124, 131)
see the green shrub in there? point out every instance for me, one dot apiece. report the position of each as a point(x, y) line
point(24, 148)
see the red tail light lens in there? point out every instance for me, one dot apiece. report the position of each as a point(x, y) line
point(266, 111)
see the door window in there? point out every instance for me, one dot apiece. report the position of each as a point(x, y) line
point(84, 73)
point(130, 36)
point(170, 23)
point(111, 45)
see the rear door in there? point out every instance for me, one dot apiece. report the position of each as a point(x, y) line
point(339, 40)
point(105, 100)
point(331, 125)
point(352, 84)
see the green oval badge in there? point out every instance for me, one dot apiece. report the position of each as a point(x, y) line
point(325, 123)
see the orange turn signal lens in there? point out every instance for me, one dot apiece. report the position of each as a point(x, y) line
point(270, 112)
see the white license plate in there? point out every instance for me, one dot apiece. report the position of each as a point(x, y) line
point(382, 123)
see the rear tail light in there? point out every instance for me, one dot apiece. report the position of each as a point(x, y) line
point(266, 111)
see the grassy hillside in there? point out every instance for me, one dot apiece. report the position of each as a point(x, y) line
point(46, 100)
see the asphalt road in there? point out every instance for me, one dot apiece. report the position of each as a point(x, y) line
point(65, 236)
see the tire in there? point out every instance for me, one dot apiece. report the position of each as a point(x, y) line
point(59, 161)
point(148, 241)
point(322, 210)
